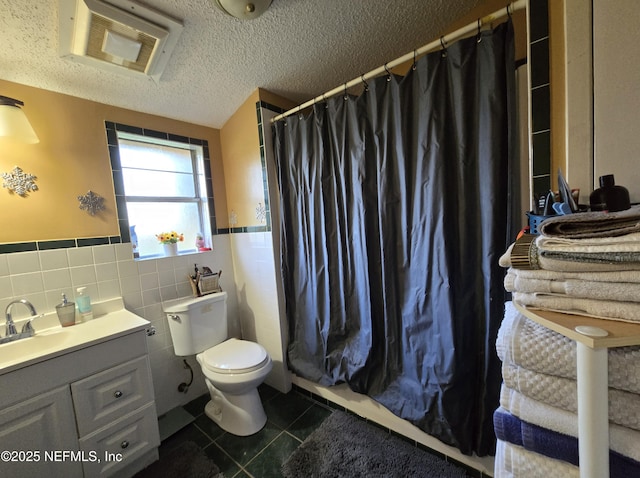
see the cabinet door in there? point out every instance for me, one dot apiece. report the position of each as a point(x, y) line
point(104, 397)
point(41, 434)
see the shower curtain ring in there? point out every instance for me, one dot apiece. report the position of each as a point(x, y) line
point(324, 98)
point(444, 47)
point(366, 85)
point(299, 114)
point(388, 72)
point(413, 67)
point(346, 96)
point(479, 37)
point(509, 10)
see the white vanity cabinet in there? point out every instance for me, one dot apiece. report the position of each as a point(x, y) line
point(89, 412)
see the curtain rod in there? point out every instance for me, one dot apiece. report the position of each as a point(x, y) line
point(439, 43)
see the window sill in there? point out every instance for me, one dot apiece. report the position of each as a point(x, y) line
point(187, 252)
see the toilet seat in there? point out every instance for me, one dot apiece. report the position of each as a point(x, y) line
point(235, 357)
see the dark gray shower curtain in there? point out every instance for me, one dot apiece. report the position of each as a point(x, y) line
point(394, 211)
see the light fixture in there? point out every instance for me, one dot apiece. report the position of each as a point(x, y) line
point(14, 123)
point(243, 9)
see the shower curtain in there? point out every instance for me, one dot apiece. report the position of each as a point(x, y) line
point(394, 210)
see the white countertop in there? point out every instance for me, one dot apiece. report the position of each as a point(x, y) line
point(110, 320)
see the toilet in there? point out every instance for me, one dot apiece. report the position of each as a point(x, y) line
point(233, 368)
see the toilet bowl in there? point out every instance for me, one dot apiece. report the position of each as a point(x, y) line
point(233, 368)
point(233, 371)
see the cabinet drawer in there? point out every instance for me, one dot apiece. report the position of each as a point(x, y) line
point(122, 442)
point(102, 398)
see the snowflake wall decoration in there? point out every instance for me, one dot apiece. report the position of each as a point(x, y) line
point(261, 213)
point(92, 203)
point(19, 182)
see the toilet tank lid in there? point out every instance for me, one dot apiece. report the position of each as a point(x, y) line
point(184, 304)
point(235, 356)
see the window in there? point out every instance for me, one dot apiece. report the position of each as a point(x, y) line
point(165, 190)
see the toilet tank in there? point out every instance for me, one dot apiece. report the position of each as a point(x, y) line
point(197, 323)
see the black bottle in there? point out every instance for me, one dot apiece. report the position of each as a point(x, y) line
point(609, 197)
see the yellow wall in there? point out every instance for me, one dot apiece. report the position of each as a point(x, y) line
point(73, 158)
point(241, 156)
point(240, 144)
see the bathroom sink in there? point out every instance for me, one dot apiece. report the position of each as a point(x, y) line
point(35, 345)
point(111, 320)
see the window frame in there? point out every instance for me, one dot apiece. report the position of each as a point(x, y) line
point(201, 175)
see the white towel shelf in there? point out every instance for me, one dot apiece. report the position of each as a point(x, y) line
point(593, 337)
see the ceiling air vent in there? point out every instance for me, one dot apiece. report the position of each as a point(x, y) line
point(118, 35)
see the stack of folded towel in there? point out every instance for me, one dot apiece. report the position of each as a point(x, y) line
point(537, 423)
point(585, 264)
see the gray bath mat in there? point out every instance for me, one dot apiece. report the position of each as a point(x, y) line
point(345, 446)
point(186, 460)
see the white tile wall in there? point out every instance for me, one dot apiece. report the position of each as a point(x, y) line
point(109, 271)
point(258, 310)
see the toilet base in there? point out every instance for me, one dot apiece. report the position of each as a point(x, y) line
point(240, 415)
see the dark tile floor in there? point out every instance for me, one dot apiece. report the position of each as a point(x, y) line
point(291, 418)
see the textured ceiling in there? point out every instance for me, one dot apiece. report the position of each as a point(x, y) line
point(298, 49)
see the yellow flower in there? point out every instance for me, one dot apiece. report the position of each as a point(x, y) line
point(169, 237)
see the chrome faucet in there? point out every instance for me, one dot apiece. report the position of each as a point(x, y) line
point(10, 328)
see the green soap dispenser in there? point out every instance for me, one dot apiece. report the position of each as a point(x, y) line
point(84, 304)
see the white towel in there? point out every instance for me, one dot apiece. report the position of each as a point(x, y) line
point(617, 291)
point(622, 440)
point(513, 461)
point(529, 345)
point(618, 276)
point(627, 243)
point(499, 462)
point(603, 309)
point(624, 407)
